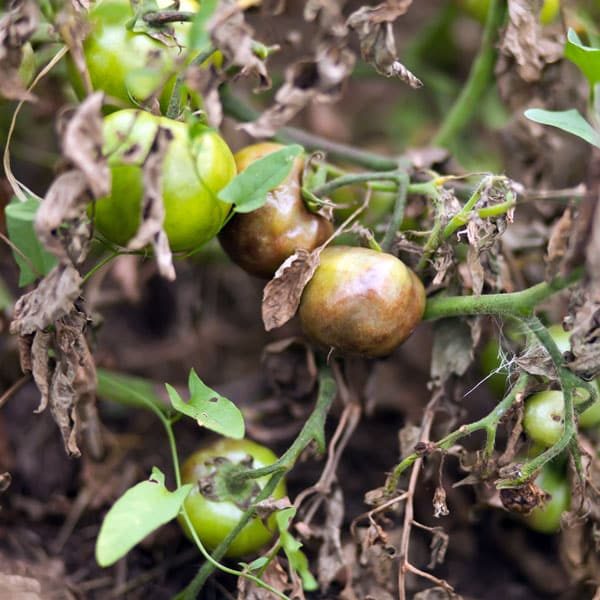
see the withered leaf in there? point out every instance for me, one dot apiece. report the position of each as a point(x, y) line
point(16, 27)
point(153, 211)
point(452, 349)
point(206, 82)
point(275, 575)
point(230, 34)
point(40, 368)
point(73, 27)
point(523, 40)
point(281, 296)
point(50, 301)
point(374, 27)
point(558, 243)
point(82, 142)
point(61, 222)
point(331, 559)
point(320, 78)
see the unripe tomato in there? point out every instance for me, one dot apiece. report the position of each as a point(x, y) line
point(546, 518)
point(261, 240)
point(213, 510)
point(194, 170)
point(360, 301)
point(130, 66)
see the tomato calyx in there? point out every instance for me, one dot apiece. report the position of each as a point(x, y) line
point(525, 498)
point(224, 483)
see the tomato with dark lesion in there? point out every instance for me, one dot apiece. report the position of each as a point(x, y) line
point(361, 301)
point(260, 241)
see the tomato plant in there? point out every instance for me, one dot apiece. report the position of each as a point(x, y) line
point(261, 240)
point(196, 166)
point(361, 301)
point(214, 508)
point(478, 9)
point(129, 65)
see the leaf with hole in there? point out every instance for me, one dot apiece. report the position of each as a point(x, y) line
point(209, 408)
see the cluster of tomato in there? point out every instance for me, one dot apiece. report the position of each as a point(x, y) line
point(543, 423)
point(359, 301)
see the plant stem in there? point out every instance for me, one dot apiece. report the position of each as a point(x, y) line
point(479, 78)
point(99, 265)
point(397, 215)
point(174, 107)
point(488, 423)
point(516, 304)
point(235, 108)
point(163, 17)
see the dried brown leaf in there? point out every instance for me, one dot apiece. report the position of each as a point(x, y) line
point(523, 40)
point(40, 368)
point(82, 142)
point(374, 27)
point(73, 26)
point(231, 35)
point(153, 211)
point(331, 560)
point(274, 575)
point(281, 296)
point(61, 222)
point(51, 300)
point(206, 82)
point(320, 78)
point(440, 508)
point(452, 349)
point(16, 27)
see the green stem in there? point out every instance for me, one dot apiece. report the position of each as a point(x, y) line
point(479, 79)
point(174, 107)
point(397, 215)
point(569, 383)
point(235, 108)
point(516, 304)
point(101, 264)
point(489, 423)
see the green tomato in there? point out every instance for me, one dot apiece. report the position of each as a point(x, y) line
point(196, 166)
point(546, 518)
point(130, 66)
point(213, 518)
point(478, 9)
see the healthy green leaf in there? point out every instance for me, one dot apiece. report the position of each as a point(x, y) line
point(20, 218)
point(199, 38)
point(137, 513)
point(128, 390)
point(209, 408)
point(248, 191)
point(570, 121)
point(586, 58)
point(291, 547)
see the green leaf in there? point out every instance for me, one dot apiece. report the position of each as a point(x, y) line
point(570, 121)
point(209, 408)
point(248, 191)
point(128, 390)
point(586, 58)
point(137, 513)
point(291, 547)
point(20, 218)
point(199, 38)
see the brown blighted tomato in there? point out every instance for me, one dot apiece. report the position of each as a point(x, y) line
point(360, 301)
point(261, 240)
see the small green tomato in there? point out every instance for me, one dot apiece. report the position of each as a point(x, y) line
point(214, 509)
point(546, 518)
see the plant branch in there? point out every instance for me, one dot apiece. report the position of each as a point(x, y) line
point(479, 79)
point(163, 17)
point(397, 214)
point(516, 304)
point(489, 423)
point(235, 108)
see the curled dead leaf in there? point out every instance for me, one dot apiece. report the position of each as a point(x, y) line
point(152, 217)
point(16, 26)
point(281, 296)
